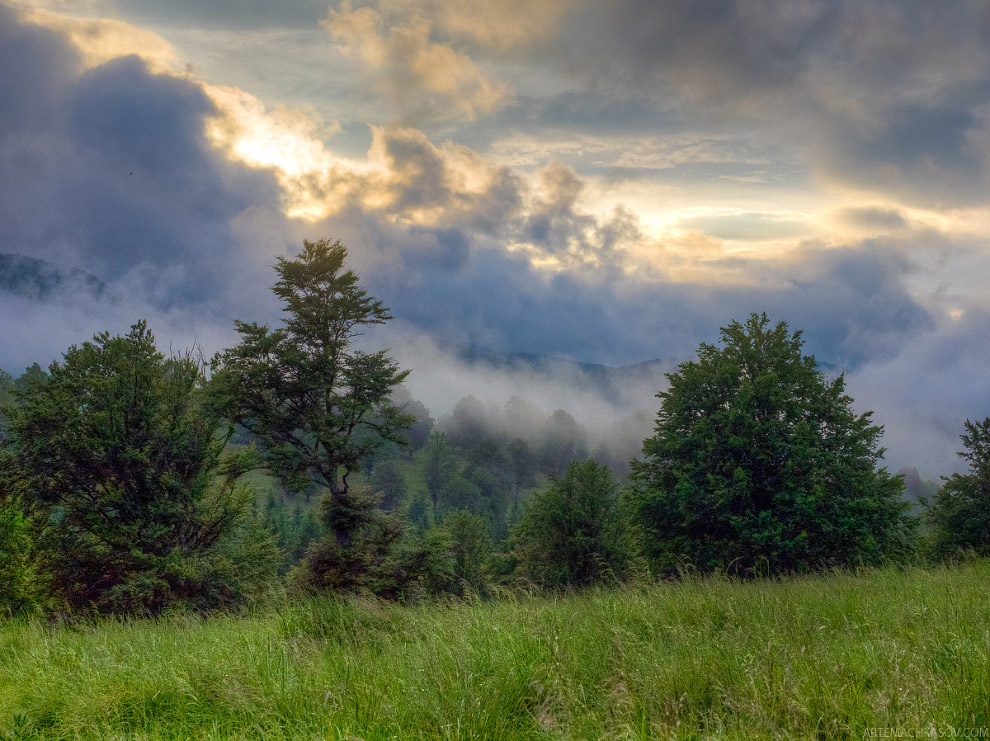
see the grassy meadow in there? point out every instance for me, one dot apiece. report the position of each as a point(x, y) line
point(834, 656)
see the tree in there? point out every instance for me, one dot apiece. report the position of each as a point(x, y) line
point(439, 469)
point(468, 423)
point(574, 533)
point(16, 573)
point(959, 516)
point(318, 405)
point(564, 440)
point(419, 432)
point(388, 479)
point(117, 460)
point(758, 463)
point(470, 548)
point(6, 398)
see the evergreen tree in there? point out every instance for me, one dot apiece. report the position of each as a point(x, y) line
point(388, 480)
point(470, 548)
point(574, 533)
point(758, 464)
point(6, 398)
point(439, 468)
point(564, 441)
point(318, 405)
point(16, 573)
point(959, 516)
point(117, 459)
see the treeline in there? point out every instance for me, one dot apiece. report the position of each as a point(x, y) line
point(134, 483)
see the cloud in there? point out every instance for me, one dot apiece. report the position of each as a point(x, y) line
point(99, 40)
point(886, 219)
point(888, 96)
point(422, 78)
point(109, 169)
point(497, 25)
point(925, 394)
point(747, 226)
point(465, 247)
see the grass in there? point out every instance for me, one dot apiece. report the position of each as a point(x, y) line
point(834, 656)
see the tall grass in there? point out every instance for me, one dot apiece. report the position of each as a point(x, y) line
point(830, 656)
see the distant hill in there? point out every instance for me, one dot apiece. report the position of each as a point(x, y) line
point(609, 381)
point(39, 279)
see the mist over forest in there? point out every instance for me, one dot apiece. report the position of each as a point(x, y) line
point(57, 306)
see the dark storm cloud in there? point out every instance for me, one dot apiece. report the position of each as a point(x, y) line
point(852, 302)
point(883, 94)
point(109, 170)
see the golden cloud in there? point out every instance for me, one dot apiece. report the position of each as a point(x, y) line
point(420, 77)
point(495, 24)
point(101, 39)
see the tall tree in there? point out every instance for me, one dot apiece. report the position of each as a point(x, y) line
point(117, 459)
point(759, 463)
point(318, 405)
point(959, 516)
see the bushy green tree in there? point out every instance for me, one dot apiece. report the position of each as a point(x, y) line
point(759, 464)
point(470, 548)
point(16, 573)
point(117, 459)
point(318, 405)
point(574, 533)
point(959, 516)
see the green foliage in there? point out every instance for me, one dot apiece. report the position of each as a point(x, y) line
point(471, 549)
point(417, 512)
point(759, 464)
point(115, 457)
point(388, 479)
point(574, 533)
point(6, 398)
point(439, 469)
point(318, 406)
point(959, 517)
point(292, 528)
point(16, 569)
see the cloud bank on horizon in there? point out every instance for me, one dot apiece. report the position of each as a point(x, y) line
point(609, 182)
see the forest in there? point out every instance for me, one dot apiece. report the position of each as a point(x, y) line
point(135, 483)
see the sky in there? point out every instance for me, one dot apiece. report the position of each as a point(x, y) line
point(605, 182)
